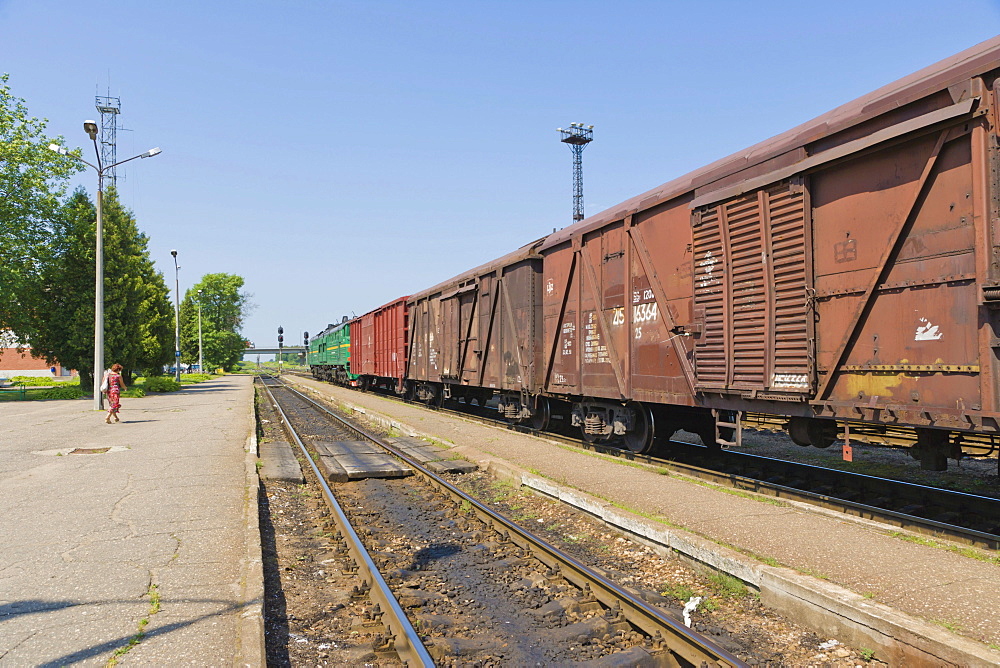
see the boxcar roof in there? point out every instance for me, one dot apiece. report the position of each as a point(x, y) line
point(510, 258)
point(383, 306)
point(956, 69)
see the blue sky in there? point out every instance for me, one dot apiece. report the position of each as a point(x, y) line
point(338, 155)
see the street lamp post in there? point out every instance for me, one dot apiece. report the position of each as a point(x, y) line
point(201, 362)
point(90, 127)
point(177, 319)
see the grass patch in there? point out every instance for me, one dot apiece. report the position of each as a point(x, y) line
point(64, 392)
point(154, 607)
point(815, 574)
point(159, 384)
point(681, 592)
point(965, 551)
point(954, 627)
point(35, 381)
point(194, 378)
point(499, 491)
point(726, 586)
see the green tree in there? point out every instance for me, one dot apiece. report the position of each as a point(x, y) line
point(32, 183)
point(63, 319)
point(138, 319)
point(224, 307)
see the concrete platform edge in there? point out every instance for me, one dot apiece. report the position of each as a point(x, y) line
point(824, 607)
point(252, 650)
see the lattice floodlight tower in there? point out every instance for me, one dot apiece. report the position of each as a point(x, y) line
point(577, 136)
point(109, 107)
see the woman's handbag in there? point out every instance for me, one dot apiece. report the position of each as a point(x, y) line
point(104, 383)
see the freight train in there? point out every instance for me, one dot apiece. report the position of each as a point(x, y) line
point(844, 273)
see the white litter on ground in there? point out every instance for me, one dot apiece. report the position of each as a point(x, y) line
point(690, 607)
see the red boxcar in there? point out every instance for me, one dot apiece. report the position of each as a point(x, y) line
point(379, 342)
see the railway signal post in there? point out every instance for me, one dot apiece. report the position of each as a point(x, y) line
point(281, 343)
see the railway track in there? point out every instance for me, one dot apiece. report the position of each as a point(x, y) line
point(966, 518)
point(485, 589)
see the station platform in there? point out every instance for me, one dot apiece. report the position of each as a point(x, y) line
point(147, 526)
point(914, 602)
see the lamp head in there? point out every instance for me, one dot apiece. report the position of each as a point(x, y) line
point(174, 253)
point(151, 152)
point(90, 127)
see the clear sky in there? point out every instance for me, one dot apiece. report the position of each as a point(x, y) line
point(338, 155)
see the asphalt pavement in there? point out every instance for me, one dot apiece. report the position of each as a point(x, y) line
point(137, 539)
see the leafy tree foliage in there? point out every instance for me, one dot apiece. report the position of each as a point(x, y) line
point(32, 181)
point(224, 307)
point(138, 319)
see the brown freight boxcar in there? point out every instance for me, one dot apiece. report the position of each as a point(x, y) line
point(379, 341)
point(479, 333)
point(847, 270)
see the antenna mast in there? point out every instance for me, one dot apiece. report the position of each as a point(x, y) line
point(109, 107)
point(577, 137)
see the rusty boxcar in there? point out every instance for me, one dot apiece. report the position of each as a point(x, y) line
point(379, 341)
point(479, 333)
point(846, 270)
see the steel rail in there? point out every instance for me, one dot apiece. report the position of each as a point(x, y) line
point(680, 640)
point(407, 641)
point(831, 502)
point(966, 535)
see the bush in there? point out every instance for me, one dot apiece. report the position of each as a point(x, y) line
point(160, 384)
point(133, 393)
point(71, 391)
point(31, 381)
point(195, 377)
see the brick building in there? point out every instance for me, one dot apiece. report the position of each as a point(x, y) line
point(15, 362)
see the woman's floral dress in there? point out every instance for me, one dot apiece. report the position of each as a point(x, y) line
point(114, 392)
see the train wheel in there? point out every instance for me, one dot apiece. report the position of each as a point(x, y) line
point(408, 391)
point(810, 431)
point(435, 397)
point(540, 418)
point(640, 439)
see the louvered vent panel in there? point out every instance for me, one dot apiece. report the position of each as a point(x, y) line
point(750, 293)
point(749, 300)
point(709, 300)
point(791, 368)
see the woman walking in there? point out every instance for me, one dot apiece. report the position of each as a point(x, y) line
point(115, 385)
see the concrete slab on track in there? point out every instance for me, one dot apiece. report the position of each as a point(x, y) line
point(356, 460)
point(279, 463)
point(437, 459)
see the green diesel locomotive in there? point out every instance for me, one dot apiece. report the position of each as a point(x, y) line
point(329, 354)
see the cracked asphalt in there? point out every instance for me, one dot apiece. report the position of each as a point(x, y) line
point(85, 536)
